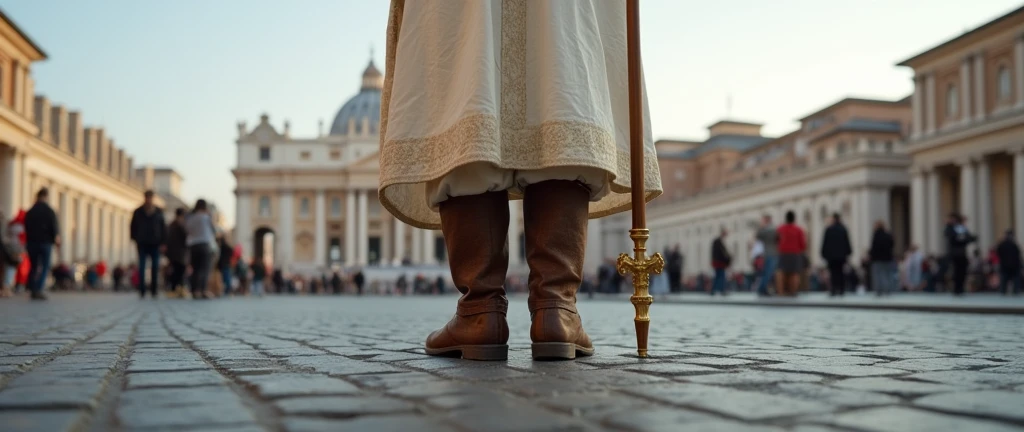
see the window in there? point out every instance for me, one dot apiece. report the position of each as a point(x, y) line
point(888, 146)
point(336, 207)
point(264, 154)
point(335, 154)
point(264, 206)
point(304, 207)
point(1003, 80)
point(304, 155)
point(952, 101)
point(821, 155)
point(841, 148)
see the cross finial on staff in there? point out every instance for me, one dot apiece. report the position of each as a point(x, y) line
point(371, 52)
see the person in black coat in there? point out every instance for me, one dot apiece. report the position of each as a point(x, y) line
point(836, 251)
point(359, 279)
point(177, 249)
point(42, 234)
point(958, 237)
point(1009, 264)
point(149, 232)
point(883, 266)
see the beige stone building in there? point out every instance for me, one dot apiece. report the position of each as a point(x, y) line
point(848, 158)
point(967, 143)
point(92, 182)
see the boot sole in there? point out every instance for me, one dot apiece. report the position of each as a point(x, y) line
point(559, 351)
point(472, 352)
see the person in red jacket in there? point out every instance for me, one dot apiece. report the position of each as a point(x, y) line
point(792, 246)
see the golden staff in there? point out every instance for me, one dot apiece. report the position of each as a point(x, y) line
point(638, 265)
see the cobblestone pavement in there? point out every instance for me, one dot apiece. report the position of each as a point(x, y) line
point(98, 363)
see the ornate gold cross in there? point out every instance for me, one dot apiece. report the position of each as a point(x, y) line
point(640, 267)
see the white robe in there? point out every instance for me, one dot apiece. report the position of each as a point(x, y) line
point(504, 93)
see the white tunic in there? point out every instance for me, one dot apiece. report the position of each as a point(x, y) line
point(521, 89)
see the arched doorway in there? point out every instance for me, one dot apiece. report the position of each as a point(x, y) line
point(264, 245)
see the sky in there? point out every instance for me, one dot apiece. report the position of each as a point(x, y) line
point(170, 80)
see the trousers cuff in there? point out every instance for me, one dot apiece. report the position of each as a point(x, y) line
point(476, 307)
point(536, 305)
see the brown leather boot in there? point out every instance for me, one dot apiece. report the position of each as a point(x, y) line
point(475, 232)
point(555, 219)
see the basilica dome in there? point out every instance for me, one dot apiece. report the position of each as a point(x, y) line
point(363, 106)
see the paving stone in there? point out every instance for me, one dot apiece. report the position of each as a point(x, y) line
point(717, 361)
point(672, 369)
point(394, 423)
point(292, 384)
point(338, 365)
point(39, 421)
point(895, 386)
point(35, 350)
point(50, 397)
point(343, 406)
point(777, 357)
point(513, 416)
point(594, 404)
point(848, 371)
point(970, 378)
point(221, 413)
point(938, 364)
point(834, 396)
point(900, 419)
point(172, 397)
point(752, 377)
point(741, 404)
point(496, 373)
point(166, 366)
point(1005, 404)
point(174, 379)
point(612, 378)
point(659, 419)
point(839, 361)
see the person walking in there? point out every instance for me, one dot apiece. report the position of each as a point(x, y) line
point(259, 274)
point(508, 116)
point(42, 234)
point(883, 266)
point(720, 261)
point(915, 268)
point(958, 237)
point(792, 247)
point(675, 270)
point(201, 243)
point(149, 232)
point(177, 252)
point(1009, 264)
point(359, 280)
point(336, 283)
point(769, 238)
point(836, 251)
point(224, 262)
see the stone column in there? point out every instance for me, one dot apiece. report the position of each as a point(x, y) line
point(979, 86)
point(243, 220)
point(362, 234)
point(1018, 59)
point(968, 199)
point(984, 202)
point(82, 229)
point(320, 240)
point(514, 260)
point(11, 188)
point(918, 110)
point(918, 218)
point(284, 241)
point(350, 227)
point(965, 91)
point(28, 196)
point(428, 248)
point(399, 251)
point(65, 227)
point(932, 212)
point(1018, 190)
point(417, 247)
point(929, 106)
point(94, 233)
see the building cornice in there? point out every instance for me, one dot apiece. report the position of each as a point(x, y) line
point(808, 175)
point(995, 123)
point(68, 163)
